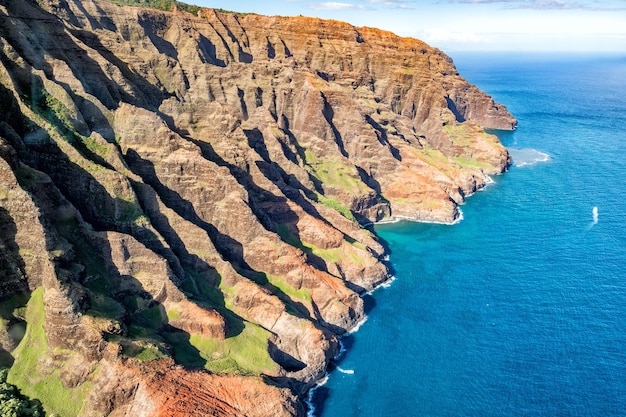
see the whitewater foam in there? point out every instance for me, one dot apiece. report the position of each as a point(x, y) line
point(358, 326)
point(387, 283)
point(346, 371)
point(527, 156)
point(309, 401)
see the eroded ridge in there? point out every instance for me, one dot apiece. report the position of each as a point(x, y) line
point(182, 197)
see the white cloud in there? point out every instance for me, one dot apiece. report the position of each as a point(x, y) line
point(395, 4)
point(549, 4)
point(437, 36)
point(331, 5)
point(552, 5)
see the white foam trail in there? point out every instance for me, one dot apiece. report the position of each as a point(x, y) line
point(346, 371)
point(594, 214)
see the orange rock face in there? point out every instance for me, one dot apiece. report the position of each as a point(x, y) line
point(191, 194)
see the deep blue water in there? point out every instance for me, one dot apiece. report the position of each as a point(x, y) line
point(520, 309)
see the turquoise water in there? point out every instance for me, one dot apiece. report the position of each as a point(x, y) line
point(520, 309)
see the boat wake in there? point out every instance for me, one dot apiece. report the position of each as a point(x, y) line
point(346, 371)
point(594, 214)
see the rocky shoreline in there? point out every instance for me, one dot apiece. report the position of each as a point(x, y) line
point(182, 196)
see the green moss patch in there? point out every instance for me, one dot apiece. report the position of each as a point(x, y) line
point(282, 284)
point(27, 374)
point(244, 354)
point(335, 205)
point(337, 174)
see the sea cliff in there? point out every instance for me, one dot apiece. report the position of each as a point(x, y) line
point(182, 197)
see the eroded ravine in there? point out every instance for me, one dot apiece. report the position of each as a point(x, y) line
point(182, 194)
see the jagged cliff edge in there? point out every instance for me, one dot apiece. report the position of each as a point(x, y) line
point(182, 192)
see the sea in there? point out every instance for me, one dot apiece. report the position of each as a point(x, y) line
point(519, 309)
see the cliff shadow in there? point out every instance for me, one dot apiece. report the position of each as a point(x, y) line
point(381, 134)
point(288, 362)
point(112, 295)
point(144, 94)
point(51, 39)
point(203, 280)
point(14, 290)
point(163, 46)
point(319, 397)
point(13, 278)
point(329, 114)
point(292, 189)
point(453, 108)
point(208, 52)
point(148, 335)
point(229, 248)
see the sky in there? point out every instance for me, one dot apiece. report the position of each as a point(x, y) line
point(469, 25)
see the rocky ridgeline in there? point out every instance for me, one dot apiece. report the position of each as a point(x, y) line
point(181, 197)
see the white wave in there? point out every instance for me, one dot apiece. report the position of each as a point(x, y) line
point(346, 371)
point(488, 181)
point(399, 219)
point(309, 400)
point(527, 156)
point(342, 351)
point(459, 219)
point(388, 283)
point(358, 326)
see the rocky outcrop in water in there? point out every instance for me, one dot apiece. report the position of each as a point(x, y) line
point(182, 198)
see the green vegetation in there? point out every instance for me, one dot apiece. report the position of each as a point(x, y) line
point(131, 212)
point(336, 174)
point(243, 354)
point(166, 5)
point(330, 255)
point(26, 373)
point(460, 134)
point(471, 163)
point(12, 315)
point(440, 161)
point(151, 317)
point(143, 349)
point(282, 284)
point(54, 111)
point(14, 306)
point(98, 148)
point(432, 156)
point(173, 315)
point(13, 403)
point(333, 255)
point(335, 205)
point(59, 117)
